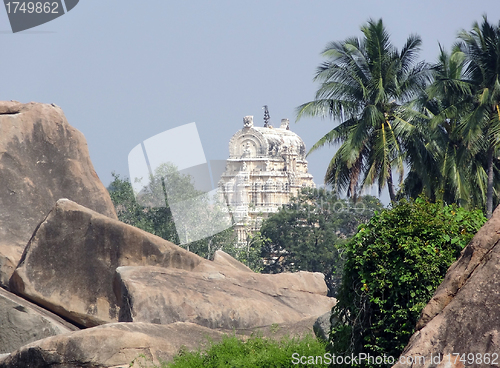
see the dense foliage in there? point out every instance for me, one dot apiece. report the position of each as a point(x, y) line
point(455, 151)
point(393, 266)
point(253, 353)
point(306, 233)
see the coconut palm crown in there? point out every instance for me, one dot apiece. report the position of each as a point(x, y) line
point(365, 85)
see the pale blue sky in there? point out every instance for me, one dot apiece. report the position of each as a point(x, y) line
point(124, 71)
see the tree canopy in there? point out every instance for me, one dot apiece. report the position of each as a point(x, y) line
point(305, 234)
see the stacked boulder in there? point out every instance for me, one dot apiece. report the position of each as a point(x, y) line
point(94, 270)
point(65, 254)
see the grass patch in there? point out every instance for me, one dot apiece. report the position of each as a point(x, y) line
point(255, 352)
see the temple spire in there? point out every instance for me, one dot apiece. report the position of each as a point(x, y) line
point(266, 116)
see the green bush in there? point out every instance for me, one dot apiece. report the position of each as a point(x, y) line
point(393, 266)
point(254, 353)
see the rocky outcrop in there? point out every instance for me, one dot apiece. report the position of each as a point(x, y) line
point(42, 159)
point(142, 344)
point(221, 298)
point(22, 322)
point(112, 345)
point(77, 260)
point(463, 316)
point(69, 268)
point(69, 263)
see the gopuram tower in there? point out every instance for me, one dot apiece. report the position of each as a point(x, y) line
point(265, 169)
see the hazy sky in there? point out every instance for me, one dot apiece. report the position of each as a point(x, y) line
point(124, 71)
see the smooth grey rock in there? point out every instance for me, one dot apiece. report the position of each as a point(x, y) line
point(322, 326)
point(22, 322)
point(277, 331)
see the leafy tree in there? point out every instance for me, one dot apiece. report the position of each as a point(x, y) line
point(458, 128)
point(481, 129)
point(251, 253)
point(151, 211)
point(155, 220)
point(365, 84)
point(393, 266)
point(305, 234)
point(441, 165)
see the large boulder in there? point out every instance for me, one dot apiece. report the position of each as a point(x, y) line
point(129, 345)
point(112, 345)
point(69, 264)
point(22, 322)
point(42, 159)
point(219, 298)
point(463, 316)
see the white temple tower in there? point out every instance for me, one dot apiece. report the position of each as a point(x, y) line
point(265, 169)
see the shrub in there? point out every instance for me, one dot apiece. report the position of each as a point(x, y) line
point(393, 266)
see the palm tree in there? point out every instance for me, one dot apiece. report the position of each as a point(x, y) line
point(442, 166)
point(481, 128)
point(365, 84)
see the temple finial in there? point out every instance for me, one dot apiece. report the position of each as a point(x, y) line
point(266, 116)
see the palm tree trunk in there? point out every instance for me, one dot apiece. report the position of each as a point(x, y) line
point(390, 185)
point(489, 191)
